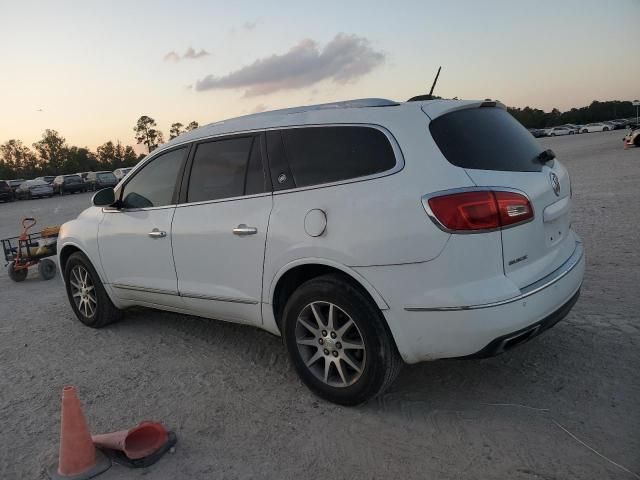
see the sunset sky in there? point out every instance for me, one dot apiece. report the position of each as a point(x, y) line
point(93, 68)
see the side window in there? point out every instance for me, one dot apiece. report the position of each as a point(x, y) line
point(154, 185)
point(226, 168)
point(329, 154)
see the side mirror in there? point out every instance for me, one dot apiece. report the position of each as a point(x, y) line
point(104, 198)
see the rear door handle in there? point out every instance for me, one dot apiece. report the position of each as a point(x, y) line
point(155, 233)
point(243, 230)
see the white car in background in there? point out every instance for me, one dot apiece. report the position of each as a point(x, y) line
point(120, 173)
point(556, 131)
point(595, 127)
point(365, 233)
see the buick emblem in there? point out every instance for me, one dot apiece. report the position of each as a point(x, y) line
point(555, 183)
point(282, 178)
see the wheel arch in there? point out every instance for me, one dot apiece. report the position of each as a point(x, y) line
point(295, 273)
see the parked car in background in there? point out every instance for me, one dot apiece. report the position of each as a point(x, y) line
point(47, 178)
point(99, 180)
point(120, 173)
point(572, 128)
point(14, 184)
point(595, 127)
point(555, 131)
point(537, 132)
point(6, 193)
point(33, 189)
point(447, 242)
point(68, 184)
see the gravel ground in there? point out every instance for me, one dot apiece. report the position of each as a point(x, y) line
point(240, 411)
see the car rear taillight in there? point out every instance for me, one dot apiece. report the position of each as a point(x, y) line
point(479, 210)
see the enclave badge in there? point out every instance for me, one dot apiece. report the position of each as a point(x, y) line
point(555, 183)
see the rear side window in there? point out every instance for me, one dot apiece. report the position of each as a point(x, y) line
point(226, 168)
point(486, 138)
point(319, 155)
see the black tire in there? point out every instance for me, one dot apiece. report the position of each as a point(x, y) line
point(380, 359)
point(636, 141)
point(552, 135)
point(61, 191)
point(47, 268)
point(585, 131)
point(105, 311)
point(605, 129)
point(17, 275)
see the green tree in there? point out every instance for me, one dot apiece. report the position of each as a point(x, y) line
point(130, 158)
point(176, 130)
point(106, 154)
point(192, 126)
point(18, 160)
point(147, 133)
point(52, 150)
point(79, 159)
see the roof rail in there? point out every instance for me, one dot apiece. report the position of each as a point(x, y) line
point(358, 103)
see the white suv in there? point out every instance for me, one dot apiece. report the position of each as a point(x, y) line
point(366, 233)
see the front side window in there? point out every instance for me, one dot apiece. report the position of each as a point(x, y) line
point(154, 184)
point(226, 168)
point(319, 155)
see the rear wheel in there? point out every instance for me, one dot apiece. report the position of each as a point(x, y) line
point(338, 341)
point(87, 295)
point(47, 268)
point(17, 275)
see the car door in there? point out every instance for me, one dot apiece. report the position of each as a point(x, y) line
point(135, 239)
point(220, 229)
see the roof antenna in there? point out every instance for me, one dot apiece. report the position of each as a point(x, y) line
point(429, 96)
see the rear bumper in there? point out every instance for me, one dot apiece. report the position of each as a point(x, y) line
point(483, 328)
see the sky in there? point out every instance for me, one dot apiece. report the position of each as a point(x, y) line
point(89, 69)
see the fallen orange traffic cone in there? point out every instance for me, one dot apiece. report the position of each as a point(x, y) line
point(139, 446)
point(78, 458)
point(626, 145)
point(140, 441)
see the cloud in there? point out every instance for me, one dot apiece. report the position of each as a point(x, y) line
point(172, 56)
point(344, 59)
point(191, 54)
point(261, 107)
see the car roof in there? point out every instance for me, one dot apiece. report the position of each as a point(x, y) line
point(365, 110)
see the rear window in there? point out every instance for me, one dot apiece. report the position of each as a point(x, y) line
point(106, 176)
point(486, 138)
point(72, 178)
point(319, 155)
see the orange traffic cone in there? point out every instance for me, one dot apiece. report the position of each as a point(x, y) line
point(78, 458)
point(626, 145)
point(141, 441)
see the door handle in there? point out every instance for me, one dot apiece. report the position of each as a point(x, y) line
point(243, 230)
point(155, 233)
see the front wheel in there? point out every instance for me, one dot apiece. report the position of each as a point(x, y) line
point(17, 275)
point(605, 129)
point(338, 341)
point(86, 294)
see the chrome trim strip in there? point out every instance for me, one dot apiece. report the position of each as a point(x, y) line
point(123, 286)
point(136, 288)
point(525, 292)
point(425, 204)
point(247, 301)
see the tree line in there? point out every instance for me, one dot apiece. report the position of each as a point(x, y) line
point(595, 112)
point(52, 155)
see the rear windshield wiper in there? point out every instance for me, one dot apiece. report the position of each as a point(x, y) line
point(546, 156)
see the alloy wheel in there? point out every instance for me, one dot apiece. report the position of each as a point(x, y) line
point(330, 344)
point(83, 291)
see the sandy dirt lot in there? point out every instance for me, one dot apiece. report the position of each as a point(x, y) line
point(240, 411)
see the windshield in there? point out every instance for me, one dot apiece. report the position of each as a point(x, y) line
point(106, 176)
